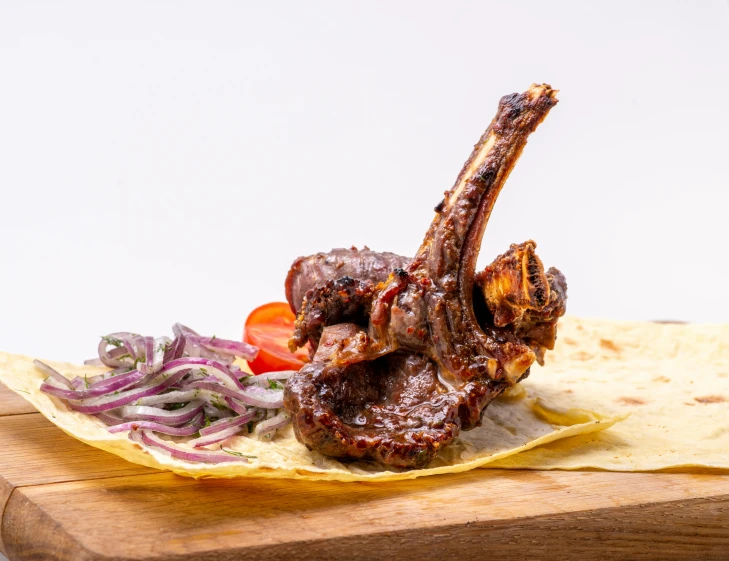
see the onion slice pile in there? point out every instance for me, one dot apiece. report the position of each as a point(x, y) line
point(184, 387)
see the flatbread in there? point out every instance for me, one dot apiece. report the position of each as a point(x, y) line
point(512, 424)
point(672, 379)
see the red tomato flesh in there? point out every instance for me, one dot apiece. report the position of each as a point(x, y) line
point(269, 327)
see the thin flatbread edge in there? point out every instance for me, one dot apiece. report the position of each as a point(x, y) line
point(511, 425)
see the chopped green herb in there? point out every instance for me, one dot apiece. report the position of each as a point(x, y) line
point(21, 391)
point(207, 421)
point(113, 341)
point(203, 371)
point(175, 406)
point(217, 404)
point(86, 381)
point(212, 338)
point(239, 454)
point(125, 355)
point(116, 392)
point(275, 385)
point(242, 379)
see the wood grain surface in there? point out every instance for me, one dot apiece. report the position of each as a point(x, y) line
point(67, 501)
point(12, 404)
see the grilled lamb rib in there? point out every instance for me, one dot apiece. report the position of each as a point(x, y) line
point(515, 288)
point(401, 366)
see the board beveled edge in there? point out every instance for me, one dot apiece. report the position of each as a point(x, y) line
point(6, 490)
point(696, 528)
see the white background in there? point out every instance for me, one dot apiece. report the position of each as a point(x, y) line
point(165, 162)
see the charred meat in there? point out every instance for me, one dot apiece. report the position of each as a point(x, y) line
point(315, 270)
point(402, 362)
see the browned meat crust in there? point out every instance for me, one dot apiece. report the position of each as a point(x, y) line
point(401, 387)
point(519, 294)
point(344, 300)
point(316, 270)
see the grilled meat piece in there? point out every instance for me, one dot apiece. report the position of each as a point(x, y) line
point(514, 283)
point(521, 295)
point(399, 386)
point(538, 328)
point(316, 270)
point(344, 300)
point(515, 289)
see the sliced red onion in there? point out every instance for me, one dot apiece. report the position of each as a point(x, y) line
point(223, 424)
point(87, 381)
point(78, 382)
point(112, 383)
point(93, 362)
point(187, 430)
point(138, 344)
point(192, 370)
point(212, 387)
point(107, 402)
point(217, 369)
point(179, 329)
point(199, 346)
point(112, 358)
point(160, 346)
point(171, 449)
point(259, 397)
point(53, 373)
point(148, 355)
point(213, 408)
point(175, 349)
point(129, 344)
point(169, 397)
point(156, 415)
point(214, 438)
point(100, 388)
point(192, 348)
point(109, 419)
point(264, 429)
point(251, 395)
point(282, 375)
point(228, 347)
point(235, 406)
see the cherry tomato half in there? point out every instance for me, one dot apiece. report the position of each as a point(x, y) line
point(269, 327)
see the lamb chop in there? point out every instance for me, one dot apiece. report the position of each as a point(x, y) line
point(515, 288)
point(400, 366)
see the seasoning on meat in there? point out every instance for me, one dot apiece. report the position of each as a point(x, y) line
point(315, 270)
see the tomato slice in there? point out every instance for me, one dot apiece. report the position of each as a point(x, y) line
point(269, 327)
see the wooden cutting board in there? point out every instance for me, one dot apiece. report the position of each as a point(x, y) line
point(63, 500)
